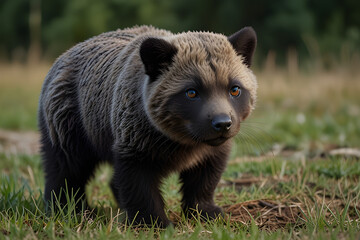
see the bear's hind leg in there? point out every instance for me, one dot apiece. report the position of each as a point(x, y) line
point(67, 172)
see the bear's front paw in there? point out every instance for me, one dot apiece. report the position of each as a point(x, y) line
point(205, 211)
point(211, 212)
point(140, 220)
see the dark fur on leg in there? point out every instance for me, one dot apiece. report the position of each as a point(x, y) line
point(67, 172)
point(198, 186)
point(136, 188)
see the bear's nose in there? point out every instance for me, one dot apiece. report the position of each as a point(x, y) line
point(221, 123)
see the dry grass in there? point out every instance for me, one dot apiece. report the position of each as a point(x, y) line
point(329, 89)
point(29, 77)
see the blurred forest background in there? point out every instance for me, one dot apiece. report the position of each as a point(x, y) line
point(313, 34)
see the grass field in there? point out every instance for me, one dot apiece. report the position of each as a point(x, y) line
point(284, 179)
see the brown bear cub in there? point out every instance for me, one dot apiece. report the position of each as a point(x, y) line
point(151, 103)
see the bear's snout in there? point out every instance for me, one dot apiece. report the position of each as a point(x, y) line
point(221, 123)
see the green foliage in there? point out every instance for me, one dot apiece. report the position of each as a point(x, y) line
point(14, 29)
point(326, 29)
point(338, 168)
point(18, 108)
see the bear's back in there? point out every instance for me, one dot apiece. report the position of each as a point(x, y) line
point(81, 83)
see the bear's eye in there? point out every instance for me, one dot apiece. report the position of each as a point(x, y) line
point(235, 91)
point(191, 93)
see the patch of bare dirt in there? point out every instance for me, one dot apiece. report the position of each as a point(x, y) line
point(271, 215)
point(5, 232)
point(267, 214)
point(13, 142)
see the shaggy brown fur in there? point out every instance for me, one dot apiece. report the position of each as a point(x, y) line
point(121, 97)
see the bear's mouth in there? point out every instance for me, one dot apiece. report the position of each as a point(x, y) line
point(216, 141)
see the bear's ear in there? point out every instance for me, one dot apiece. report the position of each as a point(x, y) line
point(244, 43)
point(156, 54)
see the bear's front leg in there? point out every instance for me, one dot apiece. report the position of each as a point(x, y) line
point(198, 186)
point(135, 185)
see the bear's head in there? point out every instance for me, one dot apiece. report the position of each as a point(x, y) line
point(199, 86)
